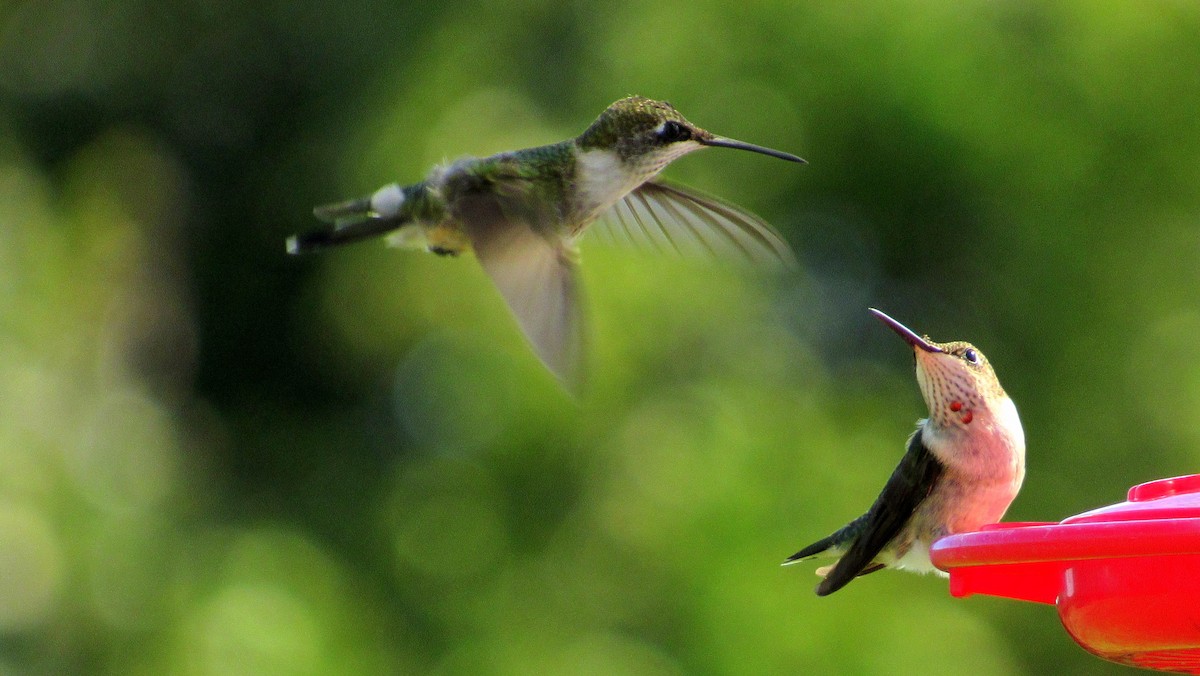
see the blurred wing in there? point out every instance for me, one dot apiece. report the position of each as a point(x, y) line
point(671, 219)
point(908, 486)
point(536, 276)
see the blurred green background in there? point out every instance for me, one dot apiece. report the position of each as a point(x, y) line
point(218, 459)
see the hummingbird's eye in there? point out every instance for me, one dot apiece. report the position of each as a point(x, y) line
point(971, 356)
point(673, 132)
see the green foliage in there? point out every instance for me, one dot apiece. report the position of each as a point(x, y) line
point(218, 459)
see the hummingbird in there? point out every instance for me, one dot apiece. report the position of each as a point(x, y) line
point(523, 212)
point(963, 467)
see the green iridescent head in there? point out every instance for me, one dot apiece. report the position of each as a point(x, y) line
point(637, 125)
point(638, 128)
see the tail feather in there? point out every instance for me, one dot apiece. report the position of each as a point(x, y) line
point(346, 233)
point(340, 211)
point(815, 549)
point(854, 560)
point(352, 220)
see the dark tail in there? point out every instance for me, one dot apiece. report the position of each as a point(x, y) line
point(812, 550)
point(352, 221)
point(344, 234)
point(843, 535)
point(854, 563)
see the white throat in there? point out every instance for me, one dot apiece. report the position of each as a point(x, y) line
point(602, 178)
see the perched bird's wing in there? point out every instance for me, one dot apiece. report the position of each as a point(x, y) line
point(534, 270)
point(908, 486)
point(666, 217)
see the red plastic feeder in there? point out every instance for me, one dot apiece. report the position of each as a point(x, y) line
point(1125, 578)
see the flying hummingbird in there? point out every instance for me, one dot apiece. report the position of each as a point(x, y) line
point(963, 467)
point(522, 213)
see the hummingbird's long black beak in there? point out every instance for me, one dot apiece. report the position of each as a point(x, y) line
point(906, 333)
point(722, 142)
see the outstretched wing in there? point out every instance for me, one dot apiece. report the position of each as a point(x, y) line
point(908, 486)
point(672, 219)
point(534, 270)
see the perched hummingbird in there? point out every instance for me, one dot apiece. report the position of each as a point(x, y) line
point(963, 467)
point(523, 211)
